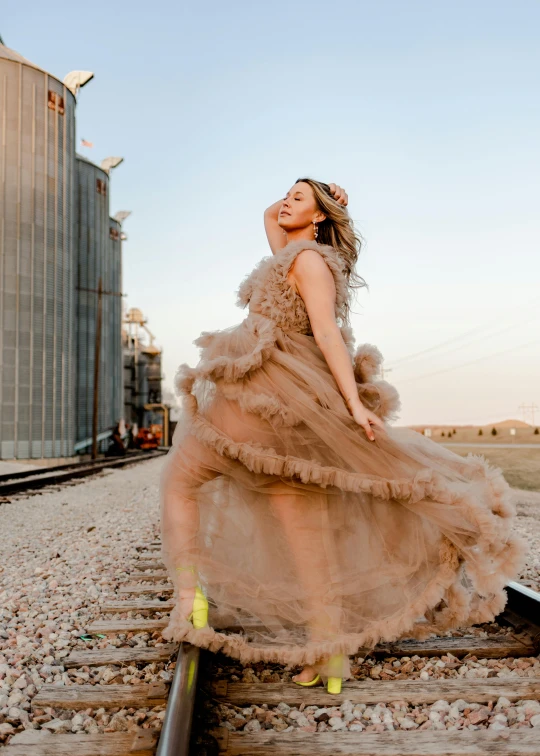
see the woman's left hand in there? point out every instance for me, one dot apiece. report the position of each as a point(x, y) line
point(366, 418)
point(339, 194)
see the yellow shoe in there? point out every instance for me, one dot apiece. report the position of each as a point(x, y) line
point(199, 612)
point(309, 683)
point(334, 683)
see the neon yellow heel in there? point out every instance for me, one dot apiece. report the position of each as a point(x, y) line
point(199, 613)
point(334, 683)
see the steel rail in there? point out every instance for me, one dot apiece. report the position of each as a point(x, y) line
point(524, 602)
point(81, 470)
point(176, 729)
point(60, 468)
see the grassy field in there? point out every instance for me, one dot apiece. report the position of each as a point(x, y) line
point(521, 467)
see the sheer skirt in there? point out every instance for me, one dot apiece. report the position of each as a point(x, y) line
point(309, 538)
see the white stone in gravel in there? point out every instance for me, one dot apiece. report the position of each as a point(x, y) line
point(347, 705)
point(337, 723)
point(15, 698)
point(118, 723)
point(441, 705)
point(58, 725)
point(317, 713)
point(17, 715)
point(535, 721)
point(530, 706)
point(356, 727)
point(407, 724)
point(253, 726)
point(497, 726)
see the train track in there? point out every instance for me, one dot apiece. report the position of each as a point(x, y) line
point(34, 480)
point(148, 594)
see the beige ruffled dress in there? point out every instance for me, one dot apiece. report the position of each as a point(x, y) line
point(308, 538)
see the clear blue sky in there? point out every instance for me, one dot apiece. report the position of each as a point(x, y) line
point(427, 112)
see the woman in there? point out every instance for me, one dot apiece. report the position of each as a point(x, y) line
point(314, 527)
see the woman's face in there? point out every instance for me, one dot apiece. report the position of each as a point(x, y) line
point(299, 209)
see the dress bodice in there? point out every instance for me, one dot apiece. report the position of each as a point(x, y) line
point(268, 291)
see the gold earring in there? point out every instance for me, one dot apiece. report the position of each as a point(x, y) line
point(315, 229)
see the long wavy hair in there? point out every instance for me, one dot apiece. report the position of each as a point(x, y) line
point(338, 231)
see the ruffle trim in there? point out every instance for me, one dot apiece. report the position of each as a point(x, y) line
point(379, 396)
point(445, 587)
point(266, 406)
point(230, 369)
point(257, 458)
point(492, 524)
point(286, 257)
point(491, 558)
point(367, 362)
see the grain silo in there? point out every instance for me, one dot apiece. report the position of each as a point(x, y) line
point(142, 369)
point(37, 112)
point(99, 259)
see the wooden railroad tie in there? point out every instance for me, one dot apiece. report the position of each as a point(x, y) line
point(381, 691)
point(139, 589)
point(139, 742)
point(96, 696)
point(153, 577)
point(97, 657)
point(397, 743)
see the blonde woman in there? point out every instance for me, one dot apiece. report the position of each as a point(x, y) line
point(288, 501)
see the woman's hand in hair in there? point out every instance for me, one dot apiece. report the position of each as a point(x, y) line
point(339, 194)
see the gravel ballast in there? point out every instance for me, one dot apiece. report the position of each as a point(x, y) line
point(64, 552)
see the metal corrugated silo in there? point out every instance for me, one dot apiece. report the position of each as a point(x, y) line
point(37, 261)
point(99, 257)
point(92, 224)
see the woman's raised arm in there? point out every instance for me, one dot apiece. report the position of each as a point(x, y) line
point(276, 236)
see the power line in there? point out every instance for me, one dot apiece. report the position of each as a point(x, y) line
point(532, 407)
point(428, 350)
point(465, 364)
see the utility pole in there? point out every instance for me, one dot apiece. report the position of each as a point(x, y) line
point(531, 407)
point(96, 373)
point(99, 291)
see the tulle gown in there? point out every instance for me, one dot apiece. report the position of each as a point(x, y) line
point(308, 538)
